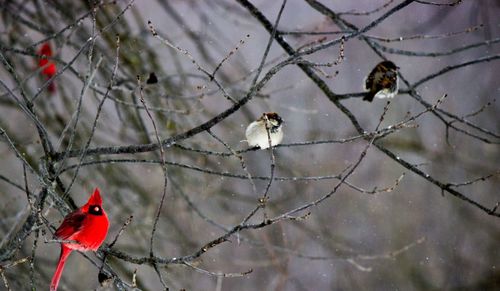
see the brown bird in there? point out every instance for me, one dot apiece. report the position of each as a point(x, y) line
point(382, 82)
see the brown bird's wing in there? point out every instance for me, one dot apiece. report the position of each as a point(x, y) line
point(71, 224)
point(370, 79)
point(372, 82)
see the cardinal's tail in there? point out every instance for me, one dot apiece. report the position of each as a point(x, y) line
point(369, 96)
point(65, 251)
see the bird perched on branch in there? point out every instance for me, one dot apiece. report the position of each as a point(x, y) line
point(256, 132)
point(83, 230)
point(382, 82)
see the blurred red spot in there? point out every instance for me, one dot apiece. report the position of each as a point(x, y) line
point(49, 67)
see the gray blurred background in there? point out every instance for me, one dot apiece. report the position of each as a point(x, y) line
point(412, 238)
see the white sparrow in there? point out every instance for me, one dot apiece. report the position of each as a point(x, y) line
point(256, 132)
point(382, 82)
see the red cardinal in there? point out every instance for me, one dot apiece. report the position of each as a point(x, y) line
point(49, 67)
point(86, 226)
